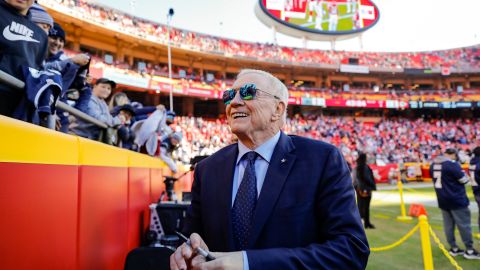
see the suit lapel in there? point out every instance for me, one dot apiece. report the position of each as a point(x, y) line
point(225, 176)
point(280, 165)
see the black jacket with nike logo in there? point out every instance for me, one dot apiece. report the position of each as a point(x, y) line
point(22, 43)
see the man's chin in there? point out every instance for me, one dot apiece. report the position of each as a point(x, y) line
point(237, 129)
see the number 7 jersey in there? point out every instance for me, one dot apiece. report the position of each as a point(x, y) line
point(449, 181)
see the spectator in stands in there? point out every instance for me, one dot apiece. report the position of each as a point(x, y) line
point(167, 147)
point(141, 112)
point(449, 181)
point(364, 184)
point(118, 99)
point(23, 44)
point(98, 109)
point(125, 134)
point(74, 73)
point(170, 117)
point(151, 132)
point(57, 59)
point(475, 178)
point(41, 17)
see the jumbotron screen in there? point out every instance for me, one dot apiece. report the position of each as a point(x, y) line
point(324, 16)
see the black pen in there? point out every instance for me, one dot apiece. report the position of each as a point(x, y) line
point(199, 250)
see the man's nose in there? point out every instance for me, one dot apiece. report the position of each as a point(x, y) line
point(237, 99)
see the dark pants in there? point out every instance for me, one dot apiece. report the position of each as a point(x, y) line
point(364, 208)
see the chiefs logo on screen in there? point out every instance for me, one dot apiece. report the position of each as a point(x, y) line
point(323, 16)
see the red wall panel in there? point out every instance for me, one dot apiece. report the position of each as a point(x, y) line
point(138, 200)
point(156, 184)
point(102, 235)
point(38, 211)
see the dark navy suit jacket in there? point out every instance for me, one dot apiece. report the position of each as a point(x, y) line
point(305, 218)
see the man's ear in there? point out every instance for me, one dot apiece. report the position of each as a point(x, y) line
point(279, 111)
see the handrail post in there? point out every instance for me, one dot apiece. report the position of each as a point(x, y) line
point(425, 240)
point(403, 211)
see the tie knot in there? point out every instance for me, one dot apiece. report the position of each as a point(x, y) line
point(251, 156)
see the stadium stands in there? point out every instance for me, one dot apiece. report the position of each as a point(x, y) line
point(461, 59)
point(390, 140)
point(219, 85)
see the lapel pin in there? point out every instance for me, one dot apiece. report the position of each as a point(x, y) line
point(283, 160)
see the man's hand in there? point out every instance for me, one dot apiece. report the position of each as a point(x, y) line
point(160, 107)
point(184, 255)
point(224, 260)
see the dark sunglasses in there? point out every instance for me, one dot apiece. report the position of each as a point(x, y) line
point(247, 92)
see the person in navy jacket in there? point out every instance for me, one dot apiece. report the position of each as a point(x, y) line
point(23, 44)
point(449, 181)
point(475, 177)
point(271, 201)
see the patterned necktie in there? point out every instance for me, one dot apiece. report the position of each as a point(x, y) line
point(245, 202)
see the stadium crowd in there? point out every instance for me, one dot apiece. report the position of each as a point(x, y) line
point(392, 140)
point(190, 79)
point(462, 59)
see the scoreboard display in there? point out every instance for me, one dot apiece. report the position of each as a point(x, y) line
point(323, 17)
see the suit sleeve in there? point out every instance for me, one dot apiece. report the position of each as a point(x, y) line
point(476, 176)
point(342, 243)
point(193, 221)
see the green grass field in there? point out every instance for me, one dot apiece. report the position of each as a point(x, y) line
point(344, 24)
point(409, 254)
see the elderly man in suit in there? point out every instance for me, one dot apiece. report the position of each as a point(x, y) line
point(271, 201)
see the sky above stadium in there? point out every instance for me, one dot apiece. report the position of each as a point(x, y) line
point(404, 25)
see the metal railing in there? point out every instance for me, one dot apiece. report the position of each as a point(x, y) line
point(20, 85)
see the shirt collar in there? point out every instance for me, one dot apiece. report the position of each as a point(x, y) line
point(265, 150)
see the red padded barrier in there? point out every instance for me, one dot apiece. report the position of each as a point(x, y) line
point(38, 210)
point(156, 184)
point(103, 218)
point(138, 199)
point(68, 202)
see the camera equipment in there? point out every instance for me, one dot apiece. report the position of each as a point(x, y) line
point(165, 219)
point(167, 216)
point(170, 180)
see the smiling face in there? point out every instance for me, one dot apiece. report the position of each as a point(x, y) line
point(257, 120)
point(102, 90)
point(55, 44)
point(21, 5)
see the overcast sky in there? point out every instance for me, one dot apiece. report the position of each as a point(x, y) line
point(405, 25)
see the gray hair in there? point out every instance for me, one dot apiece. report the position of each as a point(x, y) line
point(279, 89)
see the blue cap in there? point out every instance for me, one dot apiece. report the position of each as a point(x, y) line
point(57, 31)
